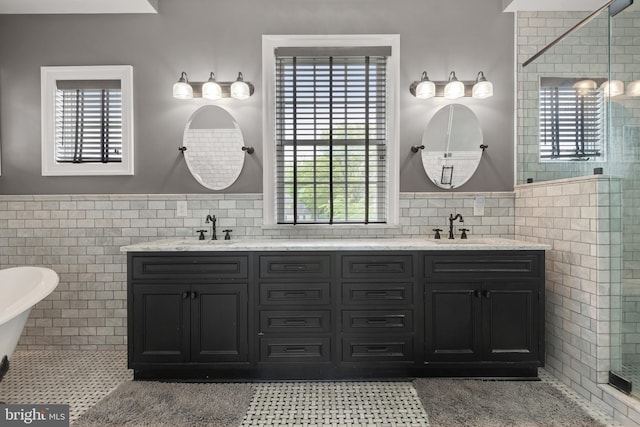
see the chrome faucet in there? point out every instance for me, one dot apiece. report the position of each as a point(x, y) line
point(212, 219)
point(451, 219)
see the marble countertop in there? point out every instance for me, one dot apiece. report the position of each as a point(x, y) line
point(184, 245)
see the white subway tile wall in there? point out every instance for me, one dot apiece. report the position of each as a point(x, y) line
point(215, 156)
point(581, 219)
point(583, 54)
point(80, 236)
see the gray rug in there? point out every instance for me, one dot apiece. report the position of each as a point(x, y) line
point(157, 404)
point(452, 403)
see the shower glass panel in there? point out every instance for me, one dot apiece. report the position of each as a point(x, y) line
point(624, 162)
point(579, 111)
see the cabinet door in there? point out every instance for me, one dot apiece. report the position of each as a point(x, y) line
point(219, 326)
point(510, 330)
point(452, 317)
point(160, 323)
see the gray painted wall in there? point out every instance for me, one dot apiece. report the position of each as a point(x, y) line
point(224, 36)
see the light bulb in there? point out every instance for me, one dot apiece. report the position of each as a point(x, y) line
point(182, 89)
point(454, 89)
point(426, 88)
point(634, 88)
point(583, 87)
point(240, 89)
point(612, 88)
point(211, 89)
point(483, 87)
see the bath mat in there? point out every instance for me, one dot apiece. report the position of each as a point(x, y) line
point(158, 404)
point(454, 402)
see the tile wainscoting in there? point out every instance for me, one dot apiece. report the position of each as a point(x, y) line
point(80, 236)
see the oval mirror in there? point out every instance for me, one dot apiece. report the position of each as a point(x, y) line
point(213, 142)
point(452, 149)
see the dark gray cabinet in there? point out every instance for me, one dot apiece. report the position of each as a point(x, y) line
point(484, 308)
point(295, 311)
point(187, 311)
point(342, 314)
point(376, 310)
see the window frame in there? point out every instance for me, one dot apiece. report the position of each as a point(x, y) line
point(595, 109)
point(48, 78)
point(269, 44)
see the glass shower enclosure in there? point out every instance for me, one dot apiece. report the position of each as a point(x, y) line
point(593, 97)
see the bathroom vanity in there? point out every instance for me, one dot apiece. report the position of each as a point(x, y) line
point(300, 309)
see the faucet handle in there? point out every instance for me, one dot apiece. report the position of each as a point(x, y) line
point(227, 236)
point(201, 237)
point(437, 230)
point(464, 233)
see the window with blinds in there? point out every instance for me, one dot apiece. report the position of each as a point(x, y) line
point(88, 121)
point(571, 121)
point(331, 135)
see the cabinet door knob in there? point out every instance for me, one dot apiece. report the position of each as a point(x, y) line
point(476, 293)
point(486, 293)
point(185, 295)
point(194, 295)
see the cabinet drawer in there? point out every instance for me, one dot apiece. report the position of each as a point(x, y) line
point(295, 321)
point(380, 349)
point(294, 293)
point(483, 265)
point(295, 266)
point(372, 293)
point(189, 267)
point(362, 321)
point(377, 266)
point(295, 349)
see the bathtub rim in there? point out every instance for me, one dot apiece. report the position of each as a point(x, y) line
point(48, 281)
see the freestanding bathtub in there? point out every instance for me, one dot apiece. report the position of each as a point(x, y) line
point(20, 289)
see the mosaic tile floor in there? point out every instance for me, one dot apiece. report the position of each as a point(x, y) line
point(81, 379)
point(336, 404)
point(77, 378)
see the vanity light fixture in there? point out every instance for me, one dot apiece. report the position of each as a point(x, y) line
point(424, 88)
point(241, 89)
point(212, 89)
point(454, 88)
point(612, 88)
point(483, 87)
point(633, 89)
point(182, 89)
point(584, 87)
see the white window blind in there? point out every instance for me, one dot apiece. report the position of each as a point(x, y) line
point(331, 135)
point(88, 121)
point(571, 122)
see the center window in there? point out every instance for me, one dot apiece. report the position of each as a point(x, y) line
point(331, 135)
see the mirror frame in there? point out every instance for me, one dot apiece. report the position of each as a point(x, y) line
point(237, 144)
point(442, 131)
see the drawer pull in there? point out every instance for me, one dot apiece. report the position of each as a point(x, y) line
point(377, 293)
point(295, 294)
point(295, 322)
point(376, 267)
point(378, 349)
point(377, 321)
point(295, 267)
point(295, 349)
